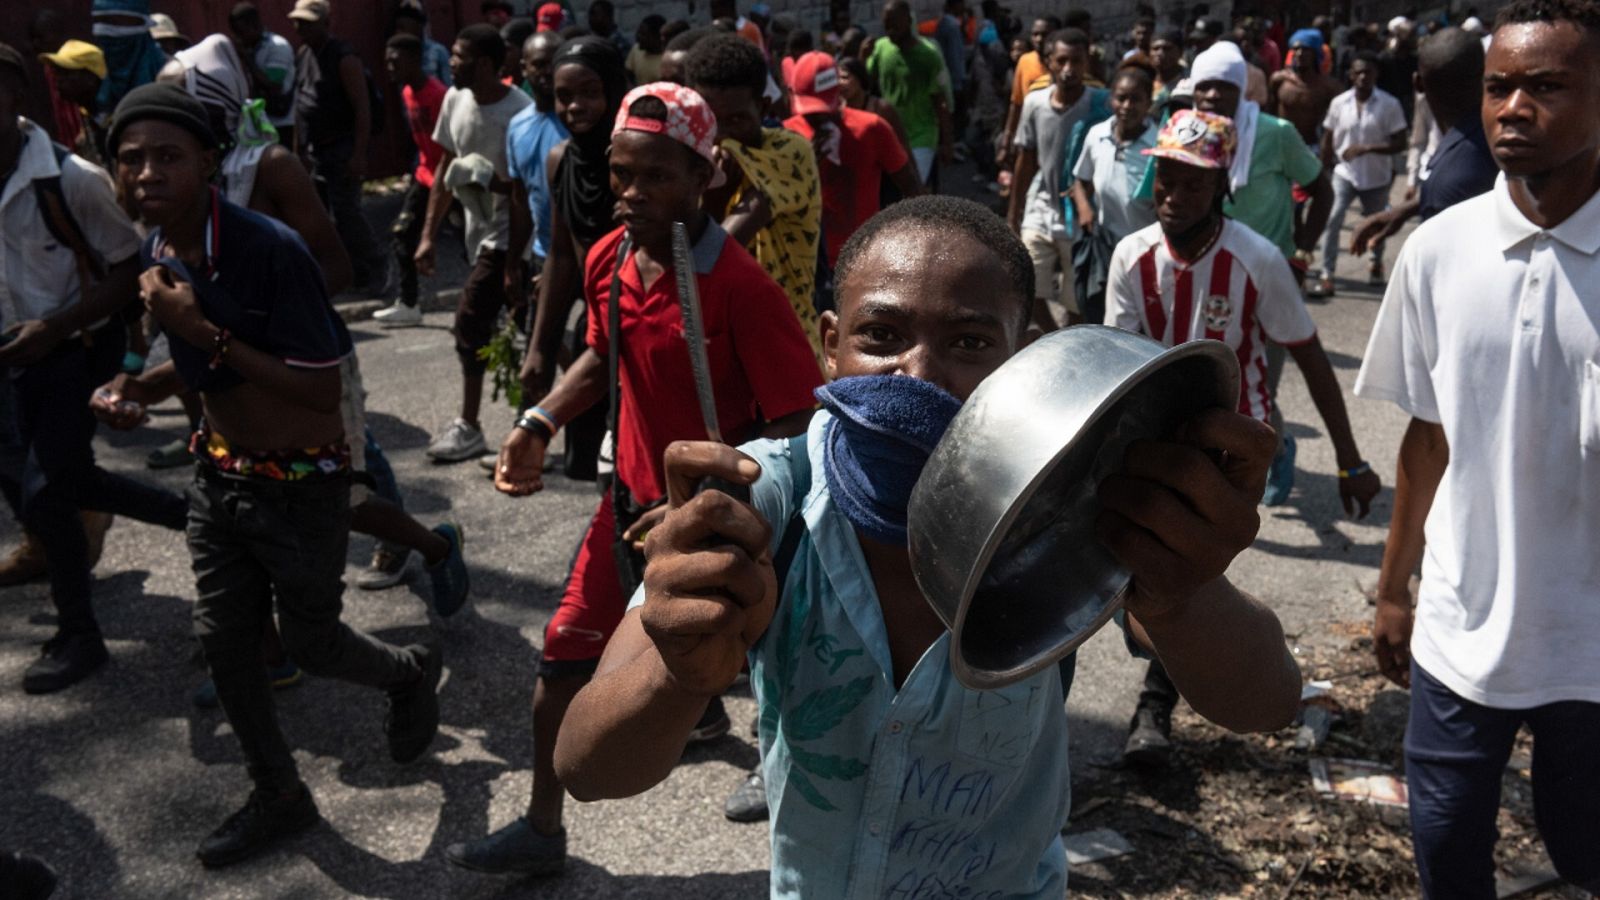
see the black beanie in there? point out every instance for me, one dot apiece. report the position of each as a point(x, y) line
point(166, 102)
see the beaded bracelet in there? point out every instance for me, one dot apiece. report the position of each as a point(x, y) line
point(1360, 468)
point(219, 348)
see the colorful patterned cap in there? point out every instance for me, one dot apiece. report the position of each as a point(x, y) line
point(1196, 138)
point(689, 120)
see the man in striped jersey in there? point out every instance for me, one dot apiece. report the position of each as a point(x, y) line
point(1198, 274)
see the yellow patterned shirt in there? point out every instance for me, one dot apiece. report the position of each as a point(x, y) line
point(785, 169)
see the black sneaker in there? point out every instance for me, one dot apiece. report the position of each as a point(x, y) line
point(26, 877)
point(748, 802)
point(713, 723)
point(1149, 738)
point(413, 717)
point(65, 660)
point(516, 849)
point(265, 820)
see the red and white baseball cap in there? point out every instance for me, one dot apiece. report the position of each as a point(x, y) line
point(550, 17)
point(814, 84)
point(689, 120)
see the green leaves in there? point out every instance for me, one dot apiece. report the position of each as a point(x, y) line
point(798, 780)
point(823, 765)
point(820, 711)
point(503, 354)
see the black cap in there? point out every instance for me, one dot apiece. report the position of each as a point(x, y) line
point(166, 102)
point(10, 57)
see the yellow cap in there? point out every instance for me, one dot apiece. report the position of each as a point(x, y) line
point(78, 55)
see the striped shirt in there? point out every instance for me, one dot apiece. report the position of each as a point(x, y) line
point(1240, 292)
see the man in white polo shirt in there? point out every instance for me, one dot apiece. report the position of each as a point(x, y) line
point(1489, 338)
point(1364, 129)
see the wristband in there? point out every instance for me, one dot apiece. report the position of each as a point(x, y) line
point(1360, 468)
point(539, 421)
point(219, 348)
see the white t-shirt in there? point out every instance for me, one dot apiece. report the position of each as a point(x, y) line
point(1352, 122)
point(466, 127)
point(1241, 292)
point(1491, 328)
point(1116, 173)
point(39, 275)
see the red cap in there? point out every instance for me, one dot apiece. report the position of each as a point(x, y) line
point(814, 81)
point(550, 16)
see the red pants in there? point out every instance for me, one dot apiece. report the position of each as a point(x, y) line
point(592, 605)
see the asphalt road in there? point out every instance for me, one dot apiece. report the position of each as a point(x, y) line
point(117, 779)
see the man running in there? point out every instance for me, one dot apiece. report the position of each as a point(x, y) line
point(269, 512)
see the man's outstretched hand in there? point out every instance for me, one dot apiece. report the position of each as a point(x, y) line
point(1177, 517)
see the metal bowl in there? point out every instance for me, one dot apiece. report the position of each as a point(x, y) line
point(1002, 518)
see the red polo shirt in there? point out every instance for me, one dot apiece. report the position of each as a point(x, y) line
point(761, 363)
point(422, 111)
point(868, 150)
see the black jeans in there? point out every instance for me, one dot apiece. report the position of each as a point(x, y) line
point(253, 542)
point(341, 194)
point(48, 474)
point(407, 232)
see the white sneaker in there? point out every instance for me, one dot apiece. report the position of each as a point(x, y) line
point(458, 442)
point(398, 315)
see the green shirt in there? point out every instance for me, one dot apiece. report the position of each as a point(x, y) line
point(1281, 159)
point(910, 79)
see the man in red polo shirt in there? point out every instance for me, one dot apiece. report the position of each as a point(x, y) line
point(855, 150)
point(762, 374)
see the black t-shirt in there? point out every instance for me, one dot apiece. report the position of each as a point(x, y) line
point(263, 285)
point(322, 107)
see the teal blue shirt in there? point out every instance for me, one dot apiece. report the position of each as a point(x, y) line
point(932, 790)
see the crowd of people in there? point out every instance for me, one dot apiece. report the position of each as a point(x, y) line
point(181, 225)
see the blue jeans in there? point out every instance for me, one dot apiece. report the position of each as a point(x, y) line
point(1373, 200)
point(48, 473)
point(1456, 752)
point(384, 484)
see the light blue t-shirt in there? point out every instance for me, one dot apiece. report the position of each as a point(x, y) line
point(529, 139)
point(933, 790)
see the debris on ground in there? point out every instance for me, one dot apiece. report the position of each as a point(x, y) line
point(1092, 846)
point(1358, 780)
point(1238, 816)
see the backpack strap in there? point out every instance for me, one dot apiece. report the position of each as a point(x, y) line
point(795, 528)
point(61, 224)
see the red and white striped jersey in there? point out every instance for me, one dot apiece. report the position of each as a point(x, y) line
point(1241, 292)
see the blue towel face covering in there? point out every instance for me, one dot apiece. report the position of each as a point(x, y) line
point(884, 427)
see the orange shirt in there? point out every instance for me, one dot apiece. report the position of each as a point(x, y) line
point(1030, 68)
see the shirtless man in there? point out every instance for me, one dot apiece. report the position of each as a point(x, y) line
point(1300, 92)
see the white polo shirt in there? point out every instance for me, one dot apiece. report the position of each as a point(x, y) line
point(1352, 122)
point(1491, 328)
point(39, 275)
